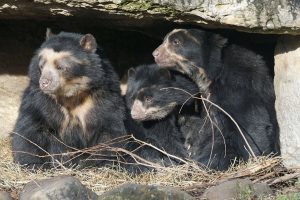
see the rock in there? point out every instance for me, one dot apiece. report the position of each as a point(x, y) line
point(138, 192)
point(4, 196)
point(289, 196)
point(237, 189)
point(287, 104)
point(247, 15)
point(61, 187)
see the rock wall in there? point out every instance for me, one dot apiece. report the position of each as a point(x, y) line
point(287, 84)
point(266, 16)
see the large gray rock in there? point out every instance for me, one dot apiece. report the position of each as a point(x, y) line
point(4, 196)
point(287, 90)
point(268, 16)
point(138, 192)
point(237, 189)
point(61, 187)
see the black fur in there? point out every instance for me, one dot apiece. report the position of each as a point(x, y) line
point(162, 131)
point(41, 117)
point(207, 147)
point(235, 78)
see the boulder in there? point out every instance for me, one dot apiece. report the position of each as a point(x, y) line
point(237, 189)
point(61, 187)
point(137, 192)
point(287, 84)
point(4, 196)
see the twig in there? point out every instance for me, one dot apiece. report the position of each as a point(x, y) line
point(164, 152)
point(226, 113)
point(235, 123)
point(285, 178)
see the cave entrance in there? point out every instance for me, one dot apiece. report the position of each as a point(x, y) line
point(125, 44)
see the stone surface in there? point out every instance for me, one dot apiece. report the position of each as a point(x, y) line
point(266, 16)
point(61, 187)
point(138, 192)
point(237, 189)
point(287, 84)
point(4, 196)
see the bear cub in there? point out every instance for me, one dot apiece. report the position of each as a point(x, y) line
point(153, 98)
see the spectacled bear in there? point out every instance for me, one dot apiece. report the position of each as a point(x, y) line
point(231, 76)
point(210, 150)
point(174, 99)
point(73, 102)
point(148, 88)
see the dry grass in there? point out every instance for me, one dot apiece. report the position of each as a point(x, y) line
point(188, 177)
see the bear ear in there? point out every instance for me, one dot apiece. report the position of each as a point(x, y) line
point(219, 40)
point(88, 43)
point(165, 73)
point(131, 72)
point(49, 33)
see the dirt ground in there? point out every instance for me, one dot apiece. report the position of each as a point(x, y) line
point(15, 53)
point(11, 88)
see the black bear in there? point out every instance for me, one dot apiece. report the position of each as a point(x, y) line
point(210, 150)
point(174, 100)
point(149, 88)
point(156, 99)
point(233, 77)
point(73, 101)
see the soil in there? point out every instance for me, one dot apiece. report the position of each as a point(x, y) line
point(11, 88)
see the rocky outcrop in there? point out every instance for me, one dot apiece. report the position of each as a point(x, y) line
point(61, 187)
point(136, 192)
point(237, 189)
point(247, 15)
point(5, 196)
point(70, 188)
point(287, 84)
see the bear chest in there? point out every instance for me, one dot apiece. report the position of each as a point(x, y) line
point(77, 117)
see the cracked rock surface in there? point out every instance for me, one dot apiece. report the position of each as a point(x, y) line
point(279, 17)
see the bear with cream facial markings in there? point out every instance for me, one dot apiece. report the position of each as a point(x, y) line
point(153, 103)
point(173, 101)
point(233, 77)
point(73, 101)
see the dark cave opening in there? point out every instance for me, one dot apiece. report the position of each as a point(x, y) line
point(125, 46)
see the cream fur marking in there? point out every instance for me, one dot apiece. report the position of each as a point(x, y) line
point(77, 115)
point(72, 87)
point(50, 57)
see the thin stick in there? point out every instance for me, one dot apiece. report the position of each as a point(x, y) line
point(158, 149)
point(285, 178)
point(235, 123)
point(226, 113)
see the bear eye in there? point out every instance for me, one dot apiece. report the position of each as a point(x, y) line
point(59, 67)
point(147, 99)
point(176, 42)
point(41, 64)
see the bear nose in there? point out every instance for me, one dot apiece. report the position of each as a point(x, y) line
point(155, 53)
point(45, 83)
